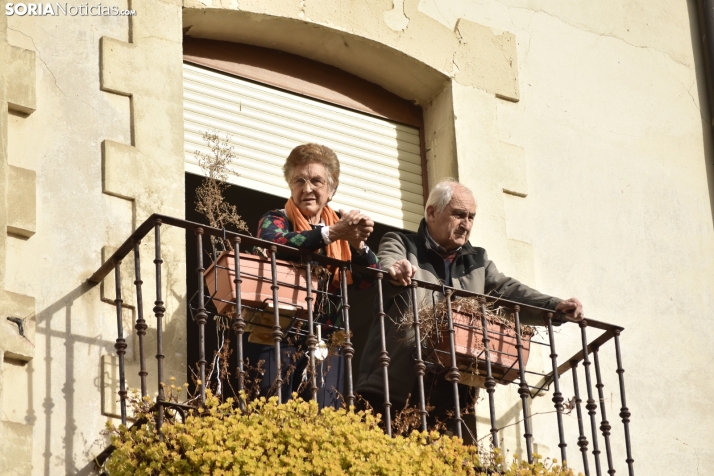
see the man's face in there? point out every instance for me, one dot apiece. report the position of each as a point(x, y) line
point(452, 227)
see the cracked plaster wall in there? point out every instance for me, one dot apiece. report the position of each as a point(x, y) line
point(17, 217)
point(148, 172)
point(84, 203)
point(617, 153)
point(406, 52)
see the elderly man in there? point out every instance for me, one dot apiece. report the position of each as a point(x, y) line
point(439, 253)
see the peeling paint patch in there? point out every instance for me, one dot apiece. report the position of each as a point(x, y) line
point(395, 18)
point(487, 60)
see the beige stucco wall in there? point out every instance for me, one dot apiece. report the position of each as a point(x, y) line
point(17, 190)
point(619, 211)
point(578, 127)
point(102, 151)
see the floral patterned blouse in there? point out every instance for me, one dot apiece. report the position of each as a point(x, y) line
point(276, 227)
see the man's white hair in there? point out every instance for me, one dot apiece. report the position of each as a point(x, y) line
point(441, 194)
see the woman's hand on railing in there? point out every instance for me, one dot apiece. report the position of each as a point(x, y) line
point(401, 273)
point(572, 309)
point(354, 226)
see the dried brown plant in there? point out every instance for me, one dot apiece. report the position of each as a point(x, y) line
point(434, 319)
point(210, 200)
point(408, 419)
point(253, 376)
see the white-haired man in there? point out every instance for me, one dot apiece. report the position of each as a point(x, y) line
point(439, 253)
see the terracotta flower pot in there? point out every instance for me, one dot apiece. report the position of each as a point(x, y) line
point(470, 354)
point(256, 285)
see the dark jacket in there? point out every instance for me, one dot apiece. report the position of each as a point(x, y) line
point(471, 270)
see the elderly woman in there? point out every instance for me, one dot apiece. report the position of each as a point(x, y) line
point(308, 223)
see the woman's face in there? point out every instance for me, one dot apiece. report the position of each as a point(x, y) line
point(309, 190)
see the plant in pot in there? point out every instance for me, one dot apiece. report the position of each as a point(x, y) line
point(255, 269)
point(467, 316)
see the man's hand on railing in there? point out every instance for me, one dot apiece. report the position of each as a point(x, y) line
point(401, 273)
point(572, 309)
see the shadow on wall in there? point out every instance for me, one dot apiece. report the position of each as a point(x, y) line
point(704, 100)
point(52, 335)
point(49, 322)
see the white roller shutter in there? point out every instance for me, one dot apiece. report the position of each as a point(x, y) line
point(380, 160)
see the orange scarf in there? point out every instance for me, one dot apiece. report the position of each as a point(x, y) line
point(338, 249)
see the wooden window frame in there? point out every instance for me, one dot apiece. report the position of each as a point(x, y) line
point(308, 78)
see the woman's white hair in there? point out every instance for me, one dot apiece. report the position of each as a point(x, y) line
point(441, 194)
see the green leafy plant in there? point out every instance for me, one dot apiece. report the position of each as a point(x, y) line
point(295, 438)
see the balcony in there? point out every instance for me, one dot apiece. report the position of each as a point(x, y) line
point(525, 408)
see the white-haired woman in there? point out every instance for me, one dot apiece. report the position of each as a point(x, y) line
point(308, 223)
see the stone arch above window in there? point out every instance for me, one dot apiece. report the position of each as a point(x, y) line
point(414, 61)
point(421, 60)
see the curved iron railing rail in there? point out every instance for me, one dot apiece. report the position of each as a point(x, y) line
point(526, 391)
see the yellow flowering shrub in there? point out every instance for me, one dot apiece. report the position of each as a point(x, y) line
point(295, 439)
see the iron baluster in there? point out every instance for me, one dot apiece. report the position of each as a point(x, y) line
point(420, 366)
point(311, 339)
point(591, 405)
point(120, 345)
point(277, 329)
point(201, 316)
point(475, 427)
point(490, 383)
point(582, 440)
point(454, 375)
point(557, 396)
point(140, 322)
point(604, 424)
point(347, 350)
point(159, 311)
point(523, 386)
point(384, 357)
point(238, 324)
point(624, 411)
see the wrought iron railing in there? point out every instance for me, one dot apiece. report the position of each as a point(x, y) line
point(425, 355)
